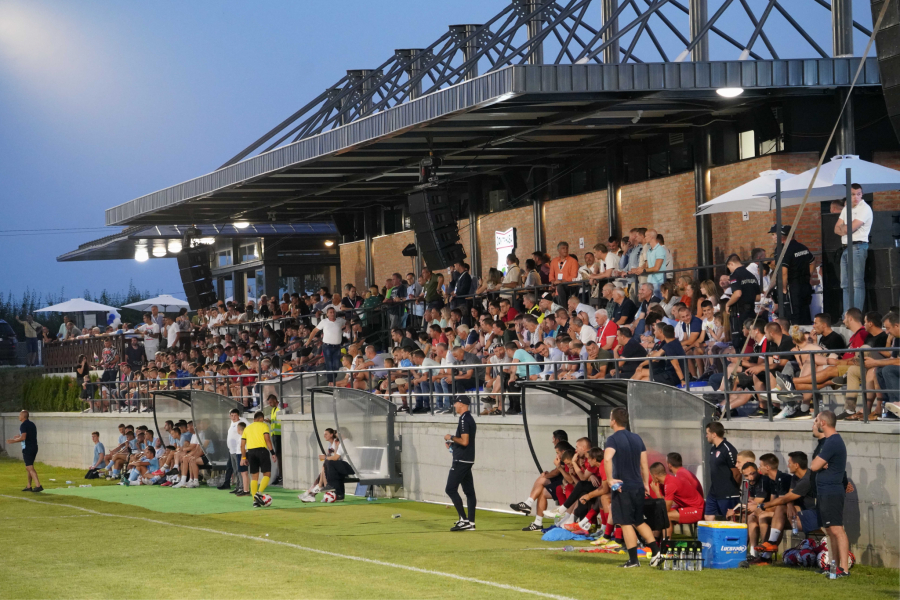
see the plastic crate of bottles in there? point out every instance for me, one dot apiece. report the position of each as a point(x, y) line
point(681, 556)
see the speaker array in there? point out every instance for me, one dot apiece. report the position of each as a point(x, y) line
point(193, 264)
point(437, 231)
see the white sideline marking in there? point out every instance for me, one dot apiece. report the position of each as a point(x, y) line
point(370, 561)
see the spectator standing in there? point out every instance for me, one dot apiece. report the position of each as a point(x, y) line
point(830, 466)
point(724, 492)
point(157, 317)
point(795, 273)
point(625, 462)
point(32, 337)
point(741, 305)
point(656, 259)
point(563, 270)
point(332, 336)
point(513, 276)
point(151, 331)
point(29, 440)
point(858, 245)
point(464, 287)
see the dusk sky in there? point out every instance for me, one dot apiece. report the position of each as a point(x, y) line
point(102, 102)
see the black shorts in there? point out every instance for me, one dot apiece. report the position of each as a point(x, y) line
point(628, 507)
point(204, 461)
point(28, 455)
point(831, 510)
point(553, 484)
point(259, 459)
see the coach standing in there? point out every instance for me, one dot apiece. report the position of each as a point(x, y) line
point(830, 466)
point(28, 438)
point(462, 445)
point(724, 492)
point(625, 462)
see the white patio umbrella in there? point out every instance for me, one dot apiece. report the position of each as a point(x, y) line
point(756, 195)
point(831, 184)
point(77, 305)
point(165, 303)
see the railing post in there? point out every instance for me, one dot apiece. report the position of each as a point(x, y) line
point(815, 386)
point(768, 387)
point(862, 387)
point(726, 380)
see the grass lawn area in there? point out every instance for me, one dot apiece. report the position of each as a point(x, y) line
point(52, 549)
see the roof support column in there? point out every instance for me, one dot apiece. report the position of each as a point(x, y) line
point(413, 69)
point(702, 156)
point(612, 189)
point(699, 16)
point(611, 52)
point(474, 212)
point(535, 25)
point(469, 48)
point(368, 228)
point(842, 41)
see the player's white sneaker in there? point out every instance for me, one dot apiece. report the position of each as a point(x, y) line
point(193, 483)
point(786, 412)
point(552, 513)
point(180, 484)
point(307, 497)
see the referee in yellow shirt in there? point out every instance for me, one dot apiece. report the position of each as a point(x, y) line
point(258, 453)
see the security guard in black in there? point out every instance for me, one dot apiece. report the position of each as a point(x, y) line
point(744, 293)
point(462, 445)
point(797, 262)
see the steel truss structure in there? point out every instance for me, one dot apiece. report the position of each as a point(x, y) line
point(573, 32)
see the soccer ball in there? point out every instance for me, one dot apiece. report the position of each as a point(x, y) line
point(824, 559)
point(329, 497)
point(266, 500)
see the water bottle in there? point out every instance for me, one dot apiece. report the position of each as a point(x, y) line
point(690, 556)
point(395, 516)
point(699, 556)
point(832, 572)
point(796, 529)
point(616, 486)
point(569, 549)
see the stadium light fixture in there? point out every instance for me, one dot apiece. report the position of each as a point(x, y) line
point(241, 224)
point(140, 254)
point(174, 246)
point(730, 92)
point(159, 251)
point(329, 243)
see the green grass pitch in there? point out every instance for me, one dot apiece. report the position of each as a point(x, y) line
point(54, 549)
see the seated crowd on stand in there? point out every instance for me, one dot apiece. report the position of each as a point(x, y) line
point(620, 311)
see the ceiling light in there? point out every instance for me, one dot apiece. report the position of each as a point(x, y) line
point(159, 251)
point(207, 241)
point(730, 92)
point(329, 243)
point(140, 254)
point(241, 224)
point(174, 246)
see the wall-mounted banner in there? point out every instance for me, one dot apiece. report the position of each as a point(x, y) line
point(504, 243)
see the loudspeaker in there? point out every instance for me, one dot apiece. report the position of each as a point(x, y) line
point(887, 45)
point(437, 231)
point(196, 277)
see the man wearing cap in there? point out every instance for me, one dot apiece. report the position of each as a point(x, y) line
point(795, 271)
point(462, 446)
point(547, 304)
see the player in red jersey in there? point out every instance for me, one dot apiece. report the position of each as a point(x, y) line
point(683, 502)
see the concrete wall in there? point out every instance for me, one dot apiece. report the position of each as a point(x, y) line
point(505, 470)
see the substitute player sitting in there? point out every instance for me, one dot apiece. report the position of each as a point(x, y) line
point(683, 502)
point(258, 453)
point(544, 485)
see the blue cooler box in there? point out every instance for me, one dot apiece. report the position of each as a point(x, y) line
point(724, 544)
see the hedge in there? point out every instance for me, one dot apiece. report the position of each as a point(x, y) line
point(12, 379)
point(53, 394)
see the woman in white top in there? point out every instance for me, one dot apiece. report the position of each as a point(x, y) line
point(334, 451)
point(532, 277)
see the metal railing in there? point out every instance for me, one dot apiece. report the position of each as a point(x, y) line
point(292, 389)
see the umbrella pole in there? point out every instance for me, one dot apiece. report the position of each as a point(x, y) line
point(849, 248)
point(778, 279)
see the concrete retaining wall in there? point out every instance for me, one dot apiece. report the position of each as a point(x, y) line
point(505, 470)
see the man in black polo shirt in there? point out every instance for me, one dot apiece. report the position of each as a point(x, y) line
point(744, 294)
point(625, 463)
point(830, 466)
point(629, 347)
point(795, 271)
point(463, 447)
point(797, 506)
point(724, 492)
point(28, 438)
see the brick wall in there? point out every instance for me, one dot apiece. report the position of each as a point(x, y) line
point(667, 205)
point(353, 265)
point(569, 219)
point(887, 200)
point(388, 259)
point(732, 234)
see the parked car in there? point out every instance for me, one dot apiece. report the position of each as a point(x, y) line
point(8, 344)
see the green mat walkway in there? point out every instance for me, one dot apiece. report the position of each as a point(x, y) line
point(199, 501)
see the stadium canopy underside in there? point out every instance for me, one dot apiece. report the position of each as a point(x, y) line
point(519, 116)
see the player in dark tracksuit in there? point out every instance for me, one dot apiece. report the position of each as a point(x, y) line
point(795, 269)
point(463, 447)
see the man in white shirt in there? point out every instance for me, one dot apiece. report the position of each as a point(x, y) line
point(442, 380)
point(576, 308)
point(171, 332)
point(512, 276)
point(332, 330)
point(862, 224)
point(547, 304)
point(150, 330)
point(156, 316)
point(552, 357)
point(234, 450)
point(582, 331)
point(421, 381)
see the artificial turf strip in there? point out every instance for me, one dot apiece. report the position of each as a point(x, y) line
point(204, 500)
point(56, 551)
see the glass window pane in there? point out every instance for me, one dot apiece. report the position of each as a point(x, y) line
point(747, 143)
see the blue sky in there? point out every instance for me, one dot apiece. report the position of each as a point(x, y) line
point(102, 102)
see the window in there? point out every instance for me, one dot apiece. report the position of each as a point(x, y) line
point(260, 282)
point(229, 287)
point(250, 287)
point(224, 258)
point(747, 143)
point(248, 252)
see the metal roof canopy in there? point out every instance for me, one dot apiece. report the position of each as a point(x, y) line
point(510, 117)
point(598, 397)
point(121, 245)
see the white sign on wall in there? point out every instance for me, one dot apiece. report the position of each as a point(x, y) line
point(504, 243)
